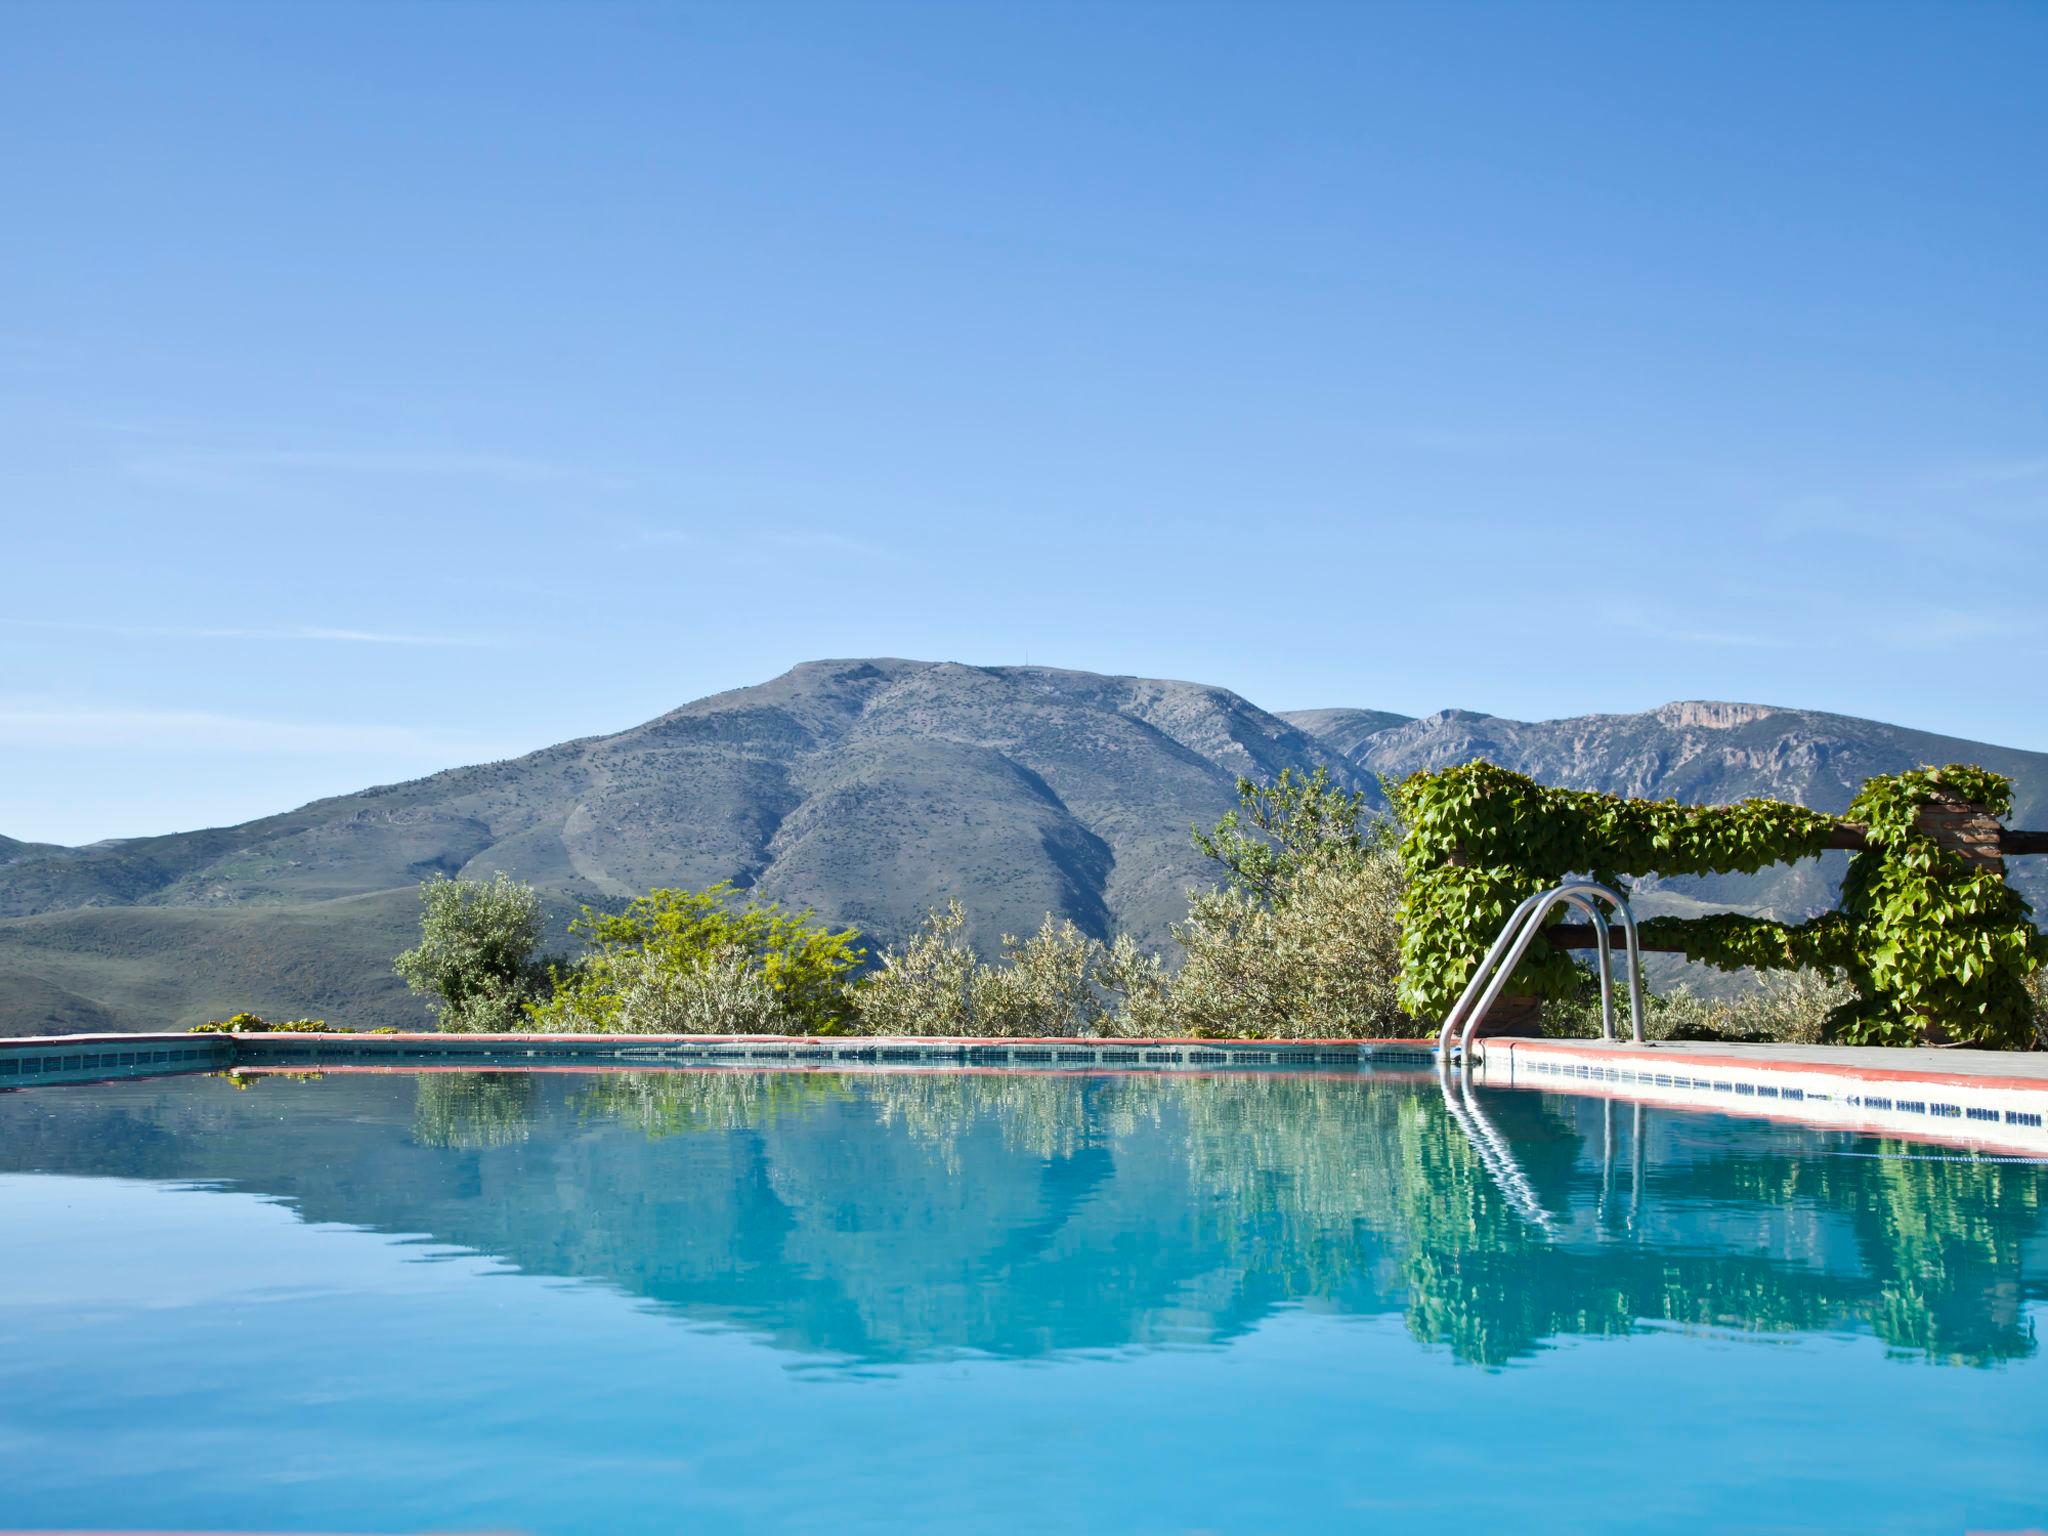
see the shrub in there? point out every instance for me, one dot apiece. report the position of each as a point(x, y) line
point(925, 987)
point(1303, 942)
point(1321, 960)
point(703, 962)
point(1788, 1007)
point(1058, 982)
point(253, 1024)
point(721, 993)
point(1295, 822)
point(475, 962)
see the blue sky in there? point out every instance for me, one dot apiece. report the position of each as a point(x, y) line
point(385, 387)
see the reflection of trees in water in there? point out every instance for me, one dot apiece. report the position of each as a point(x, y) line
point(1939, 1238)
point(1367, 1193)
point(1938, 1244)
point(672, 1103)
point(1943, 1240)
point(474, 1109)
point(1040, 1115)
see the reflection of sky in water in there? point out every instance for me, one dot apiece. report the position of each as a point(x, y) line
point(1105, 1302)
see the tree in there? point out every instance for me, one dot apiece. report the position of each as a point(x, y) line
point(475, 962)
point(1295, 821)
point(1320, 958)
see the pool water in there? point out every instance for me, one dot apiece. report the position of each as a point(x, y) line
point(758, 1301)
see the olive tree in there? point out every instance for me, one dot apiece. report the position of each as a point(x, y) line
point(476, 960)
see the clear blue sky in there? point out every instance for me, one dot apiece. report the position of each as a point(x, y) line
point(384, 387)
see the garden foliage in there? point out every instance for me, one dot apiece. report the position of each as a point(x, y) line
point(703, 962)
point(1934, 946)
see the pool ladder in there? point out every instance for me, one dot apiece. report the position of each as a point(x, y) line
point(1484, 989)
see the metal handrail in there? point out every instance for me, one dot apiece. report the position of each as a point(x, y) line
point(1519, 932)
point(1564, 895)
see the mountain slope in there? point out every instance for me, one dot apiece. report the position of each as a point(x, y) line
point(1344, 729)
point(871, 790)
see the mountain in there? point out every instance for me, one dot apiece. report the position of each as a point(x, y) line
point(1702, 753)
point(871, 790)
point(1344, 729)
point(12, 849)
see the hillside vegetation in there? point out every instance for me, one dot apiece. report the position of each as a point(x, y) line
point(872, 791)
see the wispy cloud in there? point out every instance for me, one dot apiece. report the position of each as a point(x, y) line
point(211, 469)
point(1483, 442)
point(1934, 629)
point(826, 542)
point(1743, 639)
point(294, 632)
point(36, 722)
point(1991, 472)
point(1647, 626)
point(801, 541)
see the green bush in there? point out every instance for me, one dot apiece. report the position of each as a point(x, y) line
point(1321, 959)
point(1058, 982)
point(703, 962)
point(252, 1024)
point(1786, 1007)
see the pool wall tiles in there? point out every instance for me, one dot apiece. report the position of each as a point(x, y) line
point(82, 1058)
point(90, 1058)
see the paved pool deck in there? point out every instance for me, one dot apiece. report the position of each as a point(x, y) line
point(1987, 1101)
point(2019, 1069)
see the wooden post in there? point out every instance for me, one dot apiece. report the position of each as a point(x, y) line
point(1511, 1014)
point(1965, 829)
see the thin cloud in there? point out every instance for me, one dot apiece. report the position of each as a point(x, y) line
point(817, 541)
point(826, 542)
point(306, 632)
point(1728, 638)
point(1645, 627)
point(1948, 628)
point(212, 469)
point(1991, 472)
point(31, 722)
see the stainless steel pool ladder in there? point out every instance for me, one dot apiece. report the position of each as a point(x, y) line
point(1520, 931)
point(1496, 1157)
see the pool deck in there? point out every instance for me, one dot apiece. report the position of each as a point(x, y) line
point(1992, 1101)
point(1986, 1100)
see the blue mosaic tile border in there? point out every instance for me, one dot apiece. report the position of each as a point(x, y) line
point(1931, 1108)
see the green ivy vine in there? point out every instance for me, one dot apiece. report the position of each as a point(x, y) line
point(1935, 946)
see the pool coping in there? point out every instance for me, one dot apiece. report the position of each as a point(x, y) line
point(1987, 1100)
point(79, 1058)
point(1974, 1099)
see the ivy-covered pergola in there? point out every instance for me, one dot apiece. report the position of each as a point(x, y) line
point(1938, 946)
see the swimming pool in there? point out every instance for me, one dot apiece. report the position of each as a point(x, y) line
point(564, 1301)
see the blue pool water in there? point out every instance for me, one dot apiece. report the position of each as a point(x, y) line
point(711, 1301)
